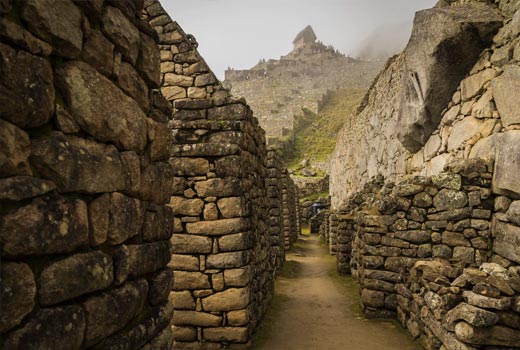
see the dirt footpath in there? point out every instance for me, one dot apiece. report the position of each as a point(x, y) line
point(315, 309)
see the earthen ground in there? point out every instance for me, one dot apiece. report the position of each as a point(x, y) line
point(316, 309)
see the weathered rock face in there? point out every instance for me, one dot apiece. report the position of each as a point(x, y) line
point(477, 121)
point(84, 179)
point(445, 44)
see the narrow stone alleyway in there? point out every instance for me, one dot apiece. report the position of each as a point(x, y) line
point(315, 309)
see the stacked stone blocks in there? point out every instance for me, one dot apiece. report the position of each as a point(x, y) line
point(439, 254)
point(84, 179)
point(227, 199)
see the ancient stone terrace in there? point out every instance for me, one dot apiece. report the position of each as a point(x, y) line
point(279, 90)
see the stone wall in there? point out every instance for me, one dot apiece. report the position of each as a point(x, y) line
point(311, 185)
point(84, 179)
point(395, 132)
point(291, 211)
point(441, 254)
point(230, 193)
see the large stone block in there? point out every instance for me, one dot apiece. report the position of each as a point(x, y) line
point(474, 84)
point(126, 216)
point(190, 166)
point(513, 212)
point(18, 188)
point(160, 286)
point(111, 311)
point(99, 52)
point(218, 187)
point(100, 108)
point(227, 260)
point(120, 30)
point(17, 294)
point(506, 178)
point(56, 22)
point(137, 260)
point(131, 83)
point(194, 318)
point(446, 42)
point(156, 183)
point(190, 280)
point(149, 61)
point(158, 223)
point(184, 262)
point(473, 315)
point(448, 199)
point(507, 241)
point(414, 236)
point(191, 244)
point(506, 89)
point(187, 207)
point(227, 334)
point(486, 302)
point(182, 300)
point(27, 94)
point(41, 331)
point(78, 165)
point(496, 335)
point(143, 331)
point(373, 298)
point(74, 276)
point(228, 300)
point(232, 207)
point(237, 277)
point(239, 241)
point(49, 225)
point(218, 227)
point(15, 148)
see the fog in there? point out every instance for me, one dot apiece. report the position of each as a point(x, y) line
point(238, 33)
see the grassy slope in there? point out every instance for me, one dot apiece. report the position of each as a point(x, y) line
point(315, 135)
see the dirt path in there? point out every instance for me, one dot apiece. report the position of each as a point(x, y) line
point(315, 309)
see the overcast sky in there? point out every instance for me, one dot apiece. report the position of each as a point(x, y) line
point(237, 33)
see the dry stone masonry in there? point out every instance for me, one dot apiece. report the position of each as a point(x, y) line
point(139, 207)
point(425, 191)
point(85, 179)
point(232, 201)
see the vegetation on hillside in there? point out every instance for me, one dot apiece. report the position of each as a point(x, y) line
point(314, 136)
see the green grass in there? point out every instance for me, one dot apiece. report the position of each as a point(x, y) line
point(314, 135)
point(314, 196)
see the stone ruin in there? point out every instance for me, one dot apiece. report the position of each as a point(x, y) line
point(279, 90)
point(428, 225)
point(139, 205)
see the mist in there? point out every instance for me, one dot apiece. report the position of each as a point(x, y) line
point(238, 33)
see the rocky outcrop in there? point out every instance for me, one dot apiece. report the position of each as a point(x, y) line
point(445, 44)
point(475, 122)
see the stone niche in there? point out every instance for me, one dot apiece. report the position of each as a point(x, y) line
point(445, 44)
